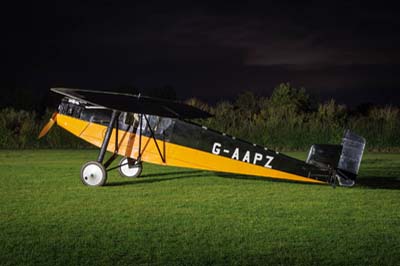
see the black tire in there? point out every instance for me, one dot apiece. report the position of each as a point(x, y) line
point(93, 174)
point(129, 168)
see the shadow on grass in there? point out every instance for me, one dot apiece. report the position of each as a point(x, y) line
point(172, 173)
point(197, 173)
point(174, 176)
point(371, 182)
point(379, 182)
point(264, 179)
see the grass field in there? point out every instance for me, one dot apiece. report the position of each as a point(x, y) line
point(175, 216)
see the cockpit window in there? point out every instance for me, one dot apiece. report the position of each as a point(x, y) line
point(80, 110)
point(162, 127)
point(128, 121)
point(98, 116)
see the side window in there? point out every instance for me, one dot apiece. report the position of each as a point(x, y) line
point(161, 126)
point(165, 127)
point(128, 121)
point(98, 116)
point(152, 121)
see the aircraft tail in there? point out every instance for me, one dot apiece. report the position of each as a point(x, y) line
point(344, 160)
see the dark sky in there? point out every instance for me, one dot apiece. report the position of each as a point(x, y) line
point(346, 50)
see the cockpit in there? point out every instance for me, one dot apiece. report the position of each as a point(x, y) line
point(161, 126)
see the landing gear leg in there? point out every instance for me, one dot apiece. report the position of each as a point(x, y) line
point(94, 173)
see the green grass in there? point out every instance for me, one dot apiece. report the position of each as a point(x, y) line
point(177, 216)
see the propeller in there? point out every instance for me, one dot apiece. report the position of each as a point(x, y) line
point(48, 126)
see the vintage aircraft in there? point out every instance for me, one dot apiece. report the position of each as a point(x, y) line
point(141, 128)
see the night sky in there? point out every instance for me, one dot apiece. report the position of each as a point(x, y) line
point(349, 51)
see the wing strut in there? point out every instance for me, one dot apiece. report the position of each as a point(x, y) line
point(154, 139)
point(152, 135)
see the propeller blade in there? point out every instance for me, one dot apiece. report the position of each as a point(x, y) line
point(48, 126)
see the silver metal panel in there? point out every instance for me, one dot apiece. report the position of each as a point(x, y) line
point(352, 152)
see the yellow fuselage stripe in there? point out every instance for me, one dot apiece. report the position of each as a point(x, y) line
point(175, 155)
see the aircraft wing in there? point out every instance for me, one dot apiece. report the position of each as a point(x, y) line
point(134, 103)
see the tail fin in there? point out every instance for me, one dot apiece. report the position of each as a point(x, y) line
point(344, 160)
point(350, 158)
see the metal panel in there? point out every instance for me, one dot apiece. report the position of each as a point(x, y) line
point(353, 148)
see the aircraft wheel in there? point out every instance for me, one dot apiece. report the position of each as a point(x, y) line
point(129, 168)
point(93, 174)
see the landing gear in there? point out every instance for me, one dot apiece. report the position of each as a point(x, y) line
point(93, 174)
point(129, 168)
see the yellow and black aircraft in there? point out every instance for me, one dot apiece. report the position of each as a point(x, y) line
point(141, 128)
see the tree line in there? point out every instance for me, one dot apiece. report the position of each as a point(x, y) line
point(290, 120)
point(287, 120)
